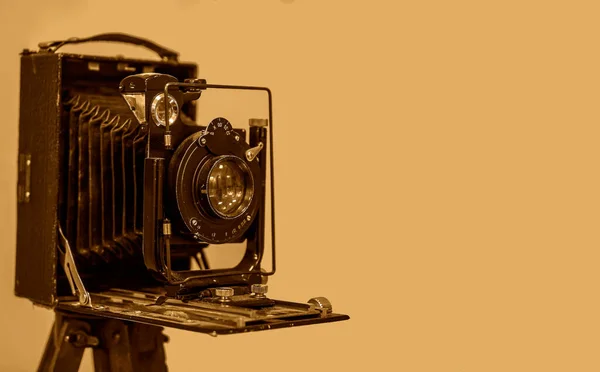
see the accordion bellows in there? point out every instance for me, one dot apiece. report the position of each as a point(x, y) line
point(101, 207)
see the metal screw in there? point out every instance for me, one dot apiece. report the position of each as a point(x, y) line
point(203, 141)
point(225, 293)
point(81, 339)
point(237, 138)
point(248, 217)
point(259, 290)
point(74, 338)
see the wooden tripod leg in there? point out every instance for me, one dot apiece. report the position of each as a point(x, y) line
point(119, 346)
point(149, 351)
point(66, 344)
point(129, 347)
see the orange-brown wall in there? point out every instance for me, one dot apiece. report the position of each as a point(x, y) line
point(437, 175)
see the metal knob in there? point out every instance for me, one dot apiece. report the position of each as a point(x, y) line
point(259, 290)
point(258, 123)
point(322, 304)
point(225, 293)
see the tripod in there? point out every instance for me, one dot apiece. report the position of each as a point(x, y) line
point(118, 345)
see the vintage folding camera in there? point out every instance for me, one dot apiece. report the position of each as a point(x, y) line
point(120, 193)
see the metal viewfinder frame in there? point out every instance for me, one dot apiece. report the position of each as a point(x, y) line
point(226, 272)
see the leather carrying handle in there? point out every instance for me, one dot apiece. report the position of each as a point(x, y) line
point(164, 53)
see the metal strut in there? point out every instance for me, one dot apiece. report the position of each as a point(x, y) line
point(68, 263)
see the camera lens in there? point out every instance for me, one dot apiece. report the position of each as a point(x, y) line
point(230, 187)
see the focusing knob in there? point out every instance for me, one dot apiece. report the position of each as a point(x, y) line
point(259, 289)
point(261, 123)
point(322, 303)
point(225, 293)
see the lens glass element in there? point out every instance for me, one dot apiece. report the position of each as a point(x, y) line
point(230, 187)
point(158, 109)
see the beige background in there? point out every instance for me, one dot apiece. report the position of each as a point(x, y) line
point(437, 175)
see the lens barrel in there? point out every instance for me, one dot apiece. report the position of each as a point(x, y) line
point(214, 188)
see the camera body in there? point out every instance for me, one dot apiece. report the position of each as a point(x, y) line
point(120, 190)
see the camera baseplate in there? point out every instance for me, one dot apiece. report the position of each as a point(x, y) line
point(209, 312)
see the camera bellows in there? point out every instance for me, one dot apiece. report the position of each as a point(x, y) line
point(101, 204)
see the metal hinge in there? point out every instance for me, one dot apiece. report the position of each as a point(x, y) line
point(68, 263)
